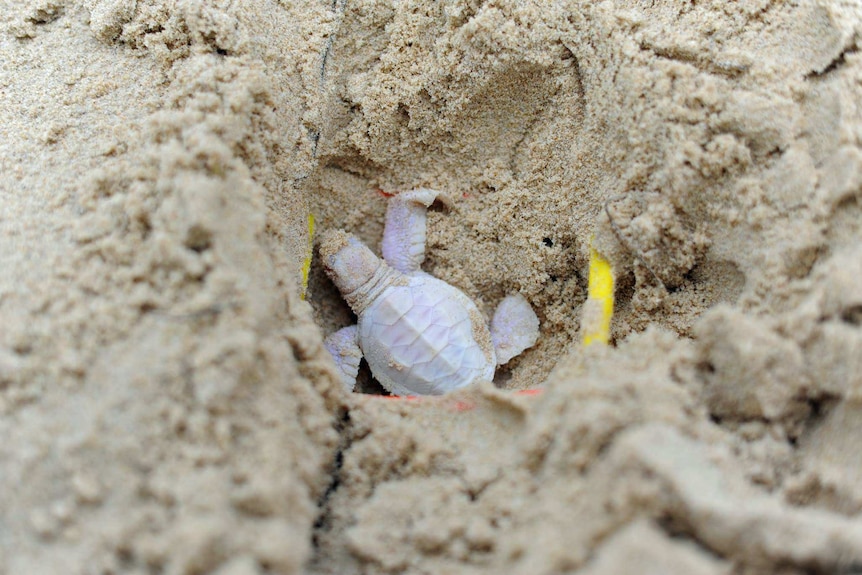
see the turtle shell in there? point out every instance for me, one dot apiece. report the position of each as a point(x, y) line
point(425, 337)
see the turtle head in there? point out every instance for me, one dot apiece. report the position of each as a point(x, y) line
point(347, 261)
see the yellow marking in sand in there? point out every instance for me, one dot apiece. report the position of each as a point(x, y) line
point(599, 307)
point(306, 264)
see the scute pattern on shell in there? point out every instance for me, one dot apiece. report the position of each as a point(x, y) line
point(419, 338)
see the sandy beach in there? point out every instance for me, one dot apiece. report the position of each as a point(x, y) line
point(167, 405)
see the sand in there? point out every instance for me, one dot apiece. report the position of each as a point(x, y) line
point(166, 405)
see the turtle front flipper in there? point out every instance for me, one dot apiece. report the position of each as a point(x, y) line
point(404, 235)
point(343, 346)
point(514, 328)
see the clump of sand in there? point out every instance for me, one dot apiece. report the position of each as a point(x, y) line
point(165, 401)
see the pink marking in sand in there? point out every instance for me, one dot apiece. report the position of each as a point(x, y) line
point(458, 405)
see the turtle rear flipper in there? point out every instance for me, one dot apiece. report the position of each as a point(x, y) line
point(514, 328)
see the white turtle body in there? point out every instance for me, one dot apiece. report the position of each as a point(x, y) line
point(418, 334)
point(421, 338)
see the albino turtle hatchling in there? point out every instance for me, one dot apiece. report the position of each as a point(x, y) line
point(419, 335)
